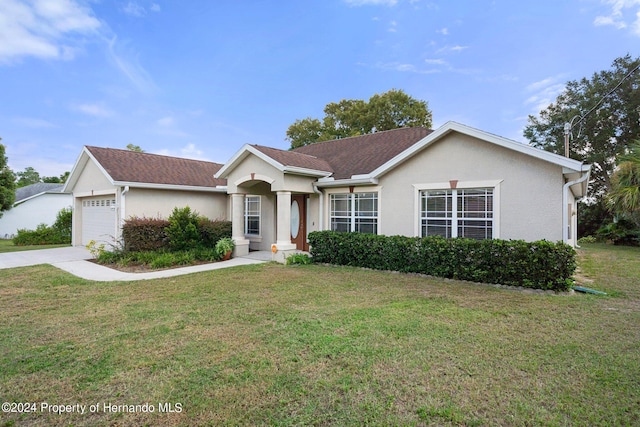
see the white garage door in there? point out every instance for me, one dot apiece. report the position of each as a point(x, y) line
point(98, 220)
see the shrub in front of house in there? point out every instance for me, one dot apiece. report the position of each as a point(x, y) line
point(183, 239)
point(144, 234)
point(539, 265)
point(211, 231)
point(176, 233)
point(182, 231)
point(57, 234)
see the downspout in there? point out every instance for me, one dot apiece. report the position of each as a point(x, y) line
point(565, 200)
point(321, 202)
point(122, 207)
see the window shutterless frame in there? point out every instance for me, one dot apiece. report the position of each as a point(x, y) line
point(252, 215)
point(354, 212)
point(470, 210)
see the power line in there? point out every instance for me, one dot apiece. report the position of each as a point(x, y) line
point(569, 125)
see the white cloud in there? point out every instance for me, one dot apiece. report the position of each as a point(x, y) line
point(127, 62)
point(371, 2)
point(392, 27)
point(443, 31)
point(609, 20)
point(456, 48)
point(33, 122)
point(405, 68)
point(94, 110)
point(544, 92)
point(618, 17)
point(436, 62)
point(635, 28)
point(189, 151)
point(166, 121)
point(134, 9)
point(43, 28)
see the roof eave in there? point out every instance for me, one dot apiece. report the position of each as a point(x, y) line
point(306, 172)
point(154, 186)
point(356, 182)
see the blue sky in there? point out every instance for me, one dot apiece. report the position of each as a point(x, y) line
point(199, 79)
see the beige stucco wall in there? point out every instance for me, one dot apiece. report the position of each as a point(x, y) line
point(92, 179)
point(530, 198)
point(160, 203)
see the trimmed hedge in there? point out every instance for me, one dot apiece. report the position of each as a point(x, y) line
point(212, 231)
point(539, 265)
point(144, 234)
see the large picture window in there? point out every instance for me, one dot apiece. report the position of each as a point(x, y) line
point(354, 212)
point(457, 213)
point(252, 215)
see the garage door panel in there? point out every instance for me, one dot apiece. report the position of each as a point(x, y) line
point(98, 220)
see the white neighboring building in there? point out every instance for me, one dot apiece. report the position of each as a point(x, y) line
point(35, 204)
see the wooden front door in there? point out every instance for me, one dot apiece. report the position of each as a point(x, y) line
point(299, 221)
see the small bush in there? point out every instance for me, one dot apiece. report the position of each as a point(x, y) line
point(587, 239)
point(224, 246)
point(541, 265)
point(182, 231)
point(298, 259)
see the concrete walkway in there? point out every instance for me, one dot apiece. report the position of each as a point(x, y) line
point(74, 260)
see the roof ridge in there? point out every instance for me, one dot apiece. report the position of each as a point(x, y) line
point(284, 151)
point(363, 135)
point(135, 153)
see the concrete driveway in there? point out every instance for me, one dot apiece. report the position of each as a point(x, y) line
point(43, 256)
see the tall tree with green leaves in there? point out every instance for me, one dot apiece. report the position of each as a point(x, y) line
point(605, 113)
point(352, 117)
point(27, 177)
point(7, 183)
point(136, 148)
point(56, 179)
point(624, 198)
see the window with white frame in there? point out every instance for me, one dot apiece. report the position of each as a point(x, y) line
point(252, 215)
point(354, 212)
point(466, 212)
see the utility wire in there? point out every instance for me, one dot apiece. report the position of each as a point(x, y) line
point(571, 124)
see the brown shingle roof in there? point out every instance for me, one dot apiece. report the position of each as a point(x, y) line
point(360, 155)
point(131, 166)
point(291, 158)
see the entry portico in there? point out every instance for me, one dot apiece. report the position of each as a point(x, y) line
point(273, 201)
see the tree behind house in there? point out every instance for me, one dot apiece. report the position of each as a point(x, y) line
point(7, 183)
point(352, 117)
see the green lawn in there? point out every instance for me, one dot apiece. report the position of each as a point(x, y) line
point(8, 246)
point(317, 345)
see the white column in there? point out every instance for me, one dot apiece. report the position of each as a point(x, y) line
point(237, 225)
point(283, 230)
